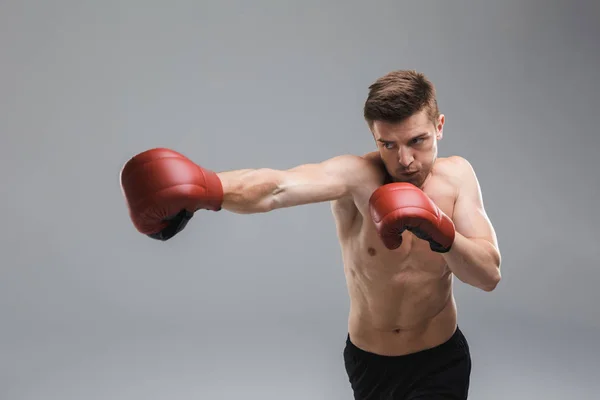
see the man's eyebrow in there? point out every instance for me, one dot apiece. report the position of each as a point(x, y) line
point(419, 136)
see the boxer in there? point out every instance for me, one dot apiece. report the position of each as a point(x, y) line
point(407, 220)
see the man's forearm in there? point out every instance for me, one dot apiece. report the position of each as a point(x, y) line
point(248, 191)
point(475, 262)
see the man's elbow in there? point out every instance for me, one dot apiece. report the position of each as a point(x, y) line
point(492, 282)
point(494, 277)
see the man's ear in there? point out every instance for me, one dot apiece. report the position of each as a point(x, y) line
point(439, 131)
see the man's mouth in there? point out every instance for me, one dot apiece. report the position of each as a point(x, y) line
point(408, 173)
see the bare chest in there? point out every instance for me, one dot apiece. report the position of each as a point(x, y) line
point(412, 262)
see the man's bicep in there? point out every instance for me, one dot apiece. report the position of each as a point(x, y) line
point(470, 217)
point(325, 181)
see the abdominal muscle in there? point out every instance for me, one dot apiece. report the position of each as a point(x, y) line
point(401, 301)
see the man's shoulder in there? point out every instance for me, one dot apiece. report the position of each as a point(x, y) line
point(364, 173)
point(348, 159)
point(368, 166)
point(374, 162)
point(371, 158)
point(454, 173)
point(456, 167)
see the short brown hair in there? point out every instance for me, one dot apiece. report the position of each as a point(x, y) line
point(399, 95)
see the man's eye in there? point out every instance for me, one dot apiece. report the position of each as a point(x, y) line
point(417, 140)
point(388, 145)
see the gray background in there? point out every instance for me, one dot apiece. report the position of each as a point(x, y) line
point(255, 306)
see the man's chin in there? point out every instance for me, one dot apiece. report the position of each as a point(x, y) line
point(414, 179)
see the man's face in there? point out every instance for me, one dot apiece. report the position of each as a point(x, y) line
point(409, 148)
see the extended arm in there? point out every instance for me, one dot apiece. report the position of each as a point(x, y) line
point(164, 189)
point(474, 257)
point(262, 190)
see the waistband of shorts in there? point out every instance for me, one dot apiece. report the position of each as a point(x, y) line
point(456, 342)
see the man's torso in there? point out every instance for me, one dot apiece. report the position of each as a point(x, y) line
point(401, 300)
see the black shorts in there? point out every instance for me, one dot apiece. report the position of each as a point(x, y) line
point(442, 372)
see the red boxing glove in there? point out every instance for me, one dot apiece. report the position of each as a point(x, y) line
point(163, 189)
point(397, 207)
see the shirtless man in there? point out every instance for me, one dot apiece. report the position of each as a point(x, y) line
point(407, 222)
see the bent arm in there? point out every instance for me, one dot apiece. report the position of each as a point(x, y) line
point(474, 257)
point(261, 190)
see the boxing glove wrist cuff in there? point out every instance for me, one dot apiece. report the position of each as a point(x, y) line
point(214, 191)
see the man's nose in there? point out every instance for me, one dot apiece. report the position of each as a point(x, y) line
point(405, 157)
